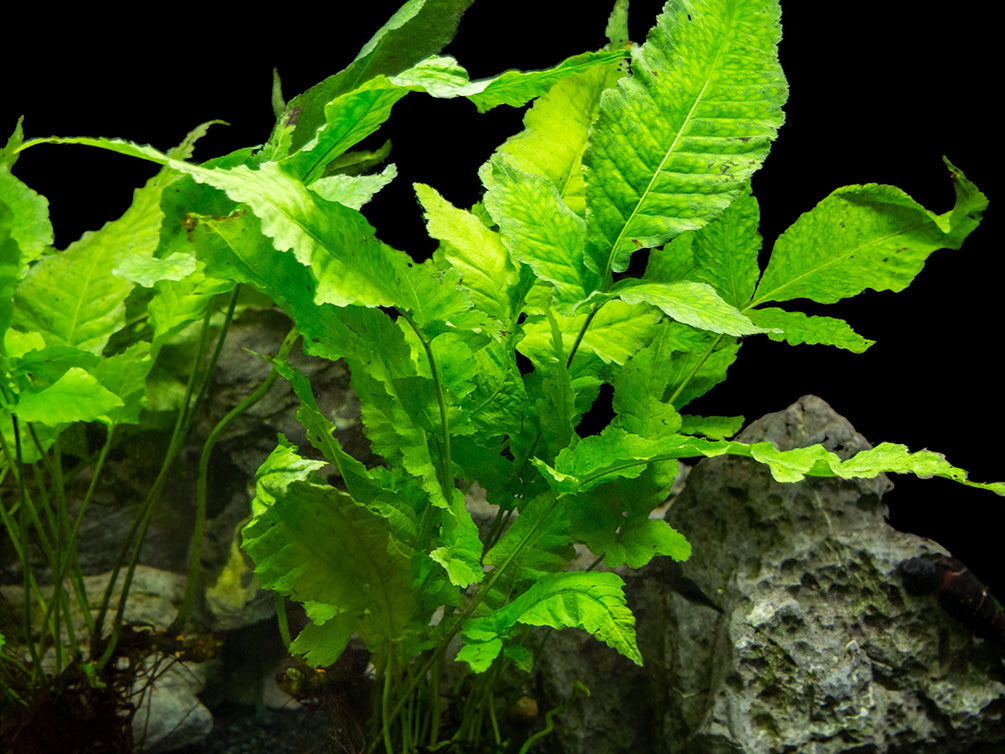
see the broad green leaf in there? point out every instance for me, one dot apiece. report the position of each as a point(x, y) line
point(673, 261)
point(616, 332)
point(125, 375)
point(550, 388)
point(349, 263)
point(146, 271)
point(555, 133)
point(444, 77)
point(860, 237)
point(594, 460)
point(796, 328)
point(420, 28)
point(694, 304)
point(234, 248)
point(394, 46)
point(72, 297)
point(24, 217)
point(496, 404)
point(693, 361)
point(638, 387)
point(516, 88)
point(10, 274)
point(640, 409)
point(370, 488)
point(588, 600)
point(314, 544)
point(713, 427)
point(456, 370)
point(437, 302)
point(348, 119)
point(460, 555)
point(616, 454)
point(76, 396)
point(593, 601)
point(283, 467)
point(353, 191)
point(645, 538)
point(675, 142)
point(322, 642)
point(724, 252)
point(356, 106)
point(897, 459)
point(475, 252)
point(480, 648)
point(542, 232)
point(25, 232)
point(537, 542)
point(632, 540)
point(400, 412)
point(35, 368)
point(176, 304)
point(351, 266)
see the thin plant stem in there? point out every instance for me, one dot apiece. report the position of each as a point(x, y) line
point(672, 400)
point(131, 548)
point(69, 559)
point(36, 661)
point(446, 472)
point(284, 624)
point(385, 703)
point(582, 333)
point(199, 527)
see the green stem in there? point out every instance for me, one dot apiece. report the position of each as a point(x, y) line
point(672, 400)
point(70, 560)
point(281, 619)
point(36, 661)
point(446, 468)
point(577, 689)
point(199, 527)
point(134, 541)
point(385, 702)
point(582, 333)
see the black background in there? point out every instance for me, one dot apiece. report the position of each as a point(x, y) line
point(876, 95)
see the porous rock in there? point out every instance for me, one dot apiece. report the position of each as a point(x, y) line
point(796, 634)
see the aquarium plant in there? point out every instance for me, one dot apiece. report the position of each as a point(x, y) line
point(615, 249)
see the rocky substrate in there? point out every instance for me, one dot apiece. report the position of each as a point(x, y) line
point(245, 730)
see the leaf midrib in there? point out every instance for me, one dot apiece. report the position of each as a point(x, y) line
point(699, 98)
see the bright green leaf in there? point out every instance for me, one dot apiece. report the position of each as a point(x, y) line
point(541, 231)
point(675, 142)
point(861, 237)
point(76, 396)
point(796, 328)
point(593, 601)
point(694, 304)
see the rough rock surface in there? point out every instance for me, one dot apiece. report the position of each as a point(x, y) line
point(806, 641)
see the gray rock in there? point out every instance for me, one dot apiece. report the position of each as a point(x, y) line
point(795, 634)
point(169, 715)
point(154, 597)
